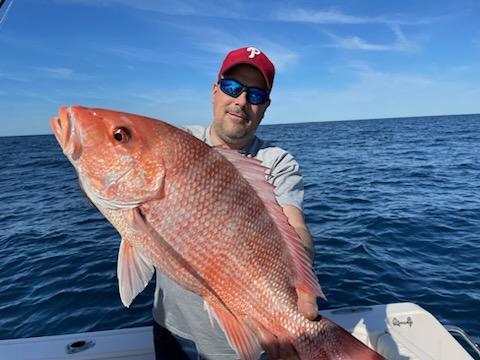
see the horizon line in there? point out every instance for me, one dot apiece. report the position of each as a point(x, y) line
point(311, 122)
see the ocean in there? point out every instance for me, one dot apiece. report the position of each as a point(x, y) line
point(393, 206)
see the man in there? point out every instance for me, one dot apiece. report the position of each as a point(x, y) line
point(240, 98)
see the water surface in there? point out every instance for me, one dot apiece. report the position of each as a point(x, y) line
point(393, 205)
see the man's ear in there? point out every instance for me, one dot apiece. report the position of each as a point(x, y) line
point(268, 103)
point(214, 91)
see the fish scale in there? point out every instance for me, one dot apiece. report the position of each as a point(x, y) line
point(207, 218)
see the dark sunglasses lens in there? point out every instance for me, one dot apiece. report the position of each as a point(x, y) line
point(257, 96)
point(231, 87)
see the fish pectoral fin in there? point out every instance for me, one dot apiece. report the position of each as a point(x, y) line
point(133, 272)
point(240, 337)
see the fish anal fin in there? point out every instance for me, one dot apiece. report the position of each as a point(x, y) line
point(133, 272)
point(240, 337)
point(304, 279)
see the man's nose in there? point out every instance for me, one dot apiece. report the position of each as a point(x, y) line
point(241, 100)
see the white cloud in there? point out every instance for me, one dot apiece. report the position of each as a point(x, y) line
point(338, 17)
point(401, 43)
point(180, 107)
point(321, 17)
point(207, 8)
point(220, 42)
point(29, 74)
point(14, 77)
point(23, 97)
point(376, 94)
point(281, 56)
point(367, 75)
point(173, 7)
point(133, 53)
point(59, 73)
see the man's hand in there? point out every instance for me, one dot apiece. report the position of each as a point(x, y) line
point(307, 304)
point(276, 347)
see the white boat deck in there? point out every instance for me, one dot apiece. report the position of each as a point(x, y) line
point(401, 331)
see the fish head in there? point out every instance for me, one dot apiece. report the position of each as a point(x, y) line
point(116, 155)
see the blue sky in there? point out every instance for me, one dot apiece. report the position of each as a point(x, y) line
point(336, 60)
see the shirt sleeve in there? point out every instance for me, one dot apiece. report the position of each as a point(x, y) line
point(195, 130)
point(286, 178)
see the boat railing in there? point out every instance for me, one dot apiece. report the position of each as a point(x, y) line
point(473, 345)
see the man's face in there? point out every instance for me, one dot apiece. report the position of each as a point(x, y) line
point(235, 120)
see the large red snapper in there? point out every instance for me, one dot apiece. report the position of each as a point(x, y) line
point(208, 219)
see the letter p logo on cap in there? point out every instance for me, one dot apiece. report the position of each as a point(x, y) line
point(253, 51)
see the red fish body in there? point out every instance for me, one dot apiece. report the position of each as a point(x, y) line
point(207, 218)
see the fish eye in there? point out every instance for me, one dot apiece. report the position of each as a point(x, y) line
point(121, 135)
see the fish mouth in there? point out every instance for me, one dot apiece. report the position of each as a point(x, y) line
point(63, 127)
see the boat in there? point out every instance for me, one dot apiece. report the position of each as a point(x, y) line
point(400, 331)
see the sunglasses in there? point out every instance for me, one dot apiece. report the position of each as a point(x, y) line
point(233, 88)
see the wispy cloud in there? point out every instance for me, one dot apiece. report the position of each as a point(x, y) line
point(322, 17)
point(29, 74)
point(220, 42)
point(58, 73)
point(280, 55)
point(401, 42)
point(338, 17)
point(376, 94)
point(368, 75)
point(24, 96)
point(13, 77)
point(173, 7)
point(133, 53)
point(170, 105)
point(207, 8)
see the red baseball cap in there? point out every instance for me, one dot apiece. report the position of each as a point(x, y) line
point(252, 56)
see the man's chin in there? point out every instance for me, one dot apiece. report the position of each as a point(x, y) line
point(236, 128)
point(236, 136)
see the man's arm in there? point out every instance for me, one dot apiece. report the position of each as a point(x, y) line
point(296, 219)
point(307, 304)
point(286, 178)
point(277, 348)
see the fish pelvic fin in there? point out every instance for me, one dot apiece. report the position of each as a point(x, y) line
point(240, 337)
point(133, 271)
point(303, 279)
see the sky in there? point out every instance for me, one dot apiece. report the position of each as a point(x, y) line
point(335, 60)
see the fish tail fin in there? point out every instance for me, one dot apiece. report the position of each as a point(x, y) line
point(333, 342)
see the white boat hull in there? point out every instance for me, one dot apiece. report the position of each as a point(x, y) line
point(401, 331)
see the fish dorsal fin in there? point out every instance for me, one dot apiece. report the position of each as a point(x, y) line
point(255, 173)
point(240, 337)
point(133, 272)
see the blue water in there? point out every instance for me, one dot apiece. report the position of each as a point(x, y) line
point(393, 205)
